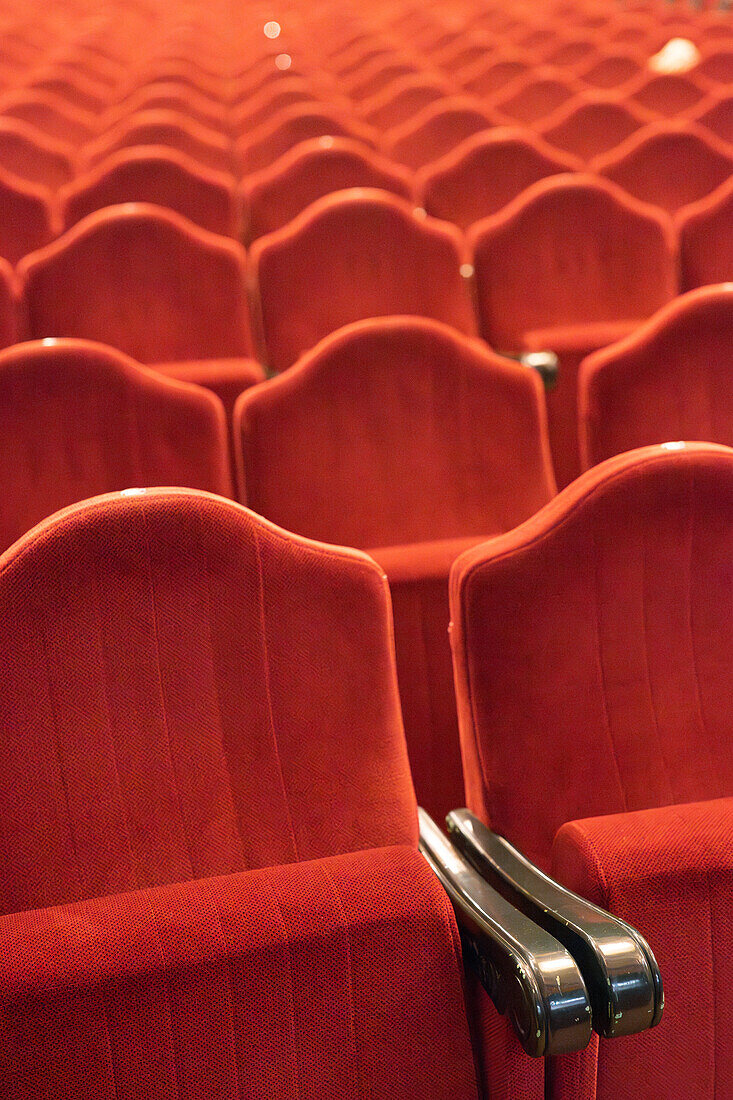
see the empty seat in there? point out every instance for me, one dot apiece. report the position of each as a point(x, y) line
point(715, 114)
point(78, 419)
point(669, 380)
point(224, 871)
point(259, 108)
point(50, 114)
point(591, 125)
point(158, 175)
point(291, 125)
point(182, 99)
point(592, 649)
point(29, 217)
point(366, 254)
point(76, 90)
point(486, 172)
point(535, 96)
point(571, 265)
point(436, 130)
point(572, 53)
point(209, 148)
point(610, 70)
point(706, 239)
point(403, 437)
point(373, 78)
point(274, 196)
point(717, 65)
point(152, 284)
point(488, 76)
point(28, 153)
point(667, 94)
point(669, 165)
point(401, 101)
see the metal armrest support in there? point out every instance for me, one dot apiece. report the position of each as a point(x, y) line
point(545, 363)
point(529, 975)
point(618, 965)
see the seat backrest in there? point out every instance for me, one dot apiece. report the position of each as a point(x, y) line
point(533, 97)
point(715, 114)
point(275, 195)
point(592, 648)
point(210, 693)
point(435, 130)
point(79, 419)
point(208, 147)
point(610, 70)
point(667, 94)
point(30, 154)
point(485, 172)
point(351, 255)
point(570, 250)
point(668, 164)
point(159, 175)
point(50, 114)
point(144, 280)
point(291, 125)
point(9, 309)
point(29, 217)
point(592, 124)
point(488, 76)
point(401, 101)
point(706, 239)
point(395, 431)
point(671, 379)
point(180, 98)
point(717, 65)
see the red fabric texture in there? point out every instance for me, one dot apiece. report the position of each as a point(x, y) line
point(146, 281)
point(716, 115)
point(277, 194)
point(328, 979)
point(669, 165)
point(26, 152)
point(666, 94)
point(29, 219)
point(483, 174)
point(436, 130)
point(9, 295)
point(80, 419)
point(402, 437)
point(706, 239)
point(669, 380)
point(560, 268)
point(367, 255)
point(53, 115)
point(401, 100)
point(162, 176)
point(292, 125)
point(669, 871)
point(532, 97)
point(170, 95)
point(591, 125)
point(591, 647)
point(611, 70)
point(169, 681)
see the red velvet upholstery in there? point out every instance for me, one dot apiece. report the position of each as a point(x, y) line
point(148, 282)
point(174, 96)
point(717, 65)
point(489, 76)
point(77, 91)
point(196, 729)
point(162, 176)
point(52, 115)
point(332, 978)
point(715, 114)
point(485, 172)
point(436, 130)
point(671, 379)
point(404, 437)
point(367, 255)
point(314, 168)
point(533, 97)
point(372, 78)
point(571, 265)
point(9, 293)
point(667, 94)
point(291, 125)
point(78, 419)
point(706, 239)
point(209, 147)
point(401, 100)
point(258, 108)
point(669, 165)
point(29, 218)
point(591, 125)
point(611, 70)
point(28, 153)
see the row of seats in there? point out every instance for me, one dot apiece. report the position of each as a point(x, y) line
point(213, 920)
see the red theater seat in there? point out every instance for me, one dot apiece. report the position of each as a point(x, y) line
point(152, 284)
point(50, 114)
point(29, 217)
point(667, 94)
point(486, 172)
point(671, 379)
point(717, 65)
point(225, 892)
point(436, 130)
point(28, 153)
point(291, 125)
point(211, 149)
point(401, 101)
point(591, 125)
point(669, 165)
point(78, 419)
point(367, 254)
point(488, 76)
point(405, 438)
point(592, 649)
point(571, 265)
point(179, 98)
point(260, 107)
point(610, 70)
point(159, 175)
point(274, 196)
point(716, 115)
point(9, 294)
point(706, 239)
point(535, 96)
